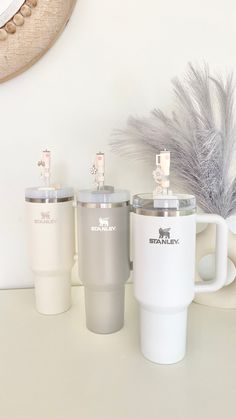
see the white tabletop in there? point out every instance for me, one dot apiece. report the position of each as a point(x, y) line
point(53, 368)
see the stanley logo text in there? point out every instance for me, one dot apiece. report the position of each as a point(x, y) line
point(103, 225)
point(45, 219)
point(164, 237)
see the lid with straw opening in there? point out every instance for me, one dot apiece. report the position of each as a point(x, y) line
point(48, 193)
point(162, 202)
point(102, 196)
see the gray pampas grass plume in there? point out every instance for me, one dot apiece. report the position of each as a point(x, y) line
point(200, 135)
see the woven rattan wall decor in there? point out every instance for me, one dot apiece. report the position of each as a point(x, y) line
point(28, 28)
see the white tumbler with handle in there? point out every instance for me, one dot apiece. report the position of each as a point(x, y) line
point(50, 223)
point(164, 237)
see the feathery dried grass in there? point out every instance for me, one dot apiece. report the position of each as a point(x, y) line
point(200, 135)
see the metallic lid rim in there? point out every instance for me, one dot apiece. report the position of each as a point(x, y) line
point(163, 212)
point(104, 204)
point(179, 196)
point(49, 200)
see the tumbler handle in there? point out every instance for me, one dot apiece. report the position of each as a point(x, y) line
point(75, 206)
point(221, 253)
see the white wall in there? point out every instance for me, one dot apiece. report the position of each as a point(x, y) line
point(115, 58)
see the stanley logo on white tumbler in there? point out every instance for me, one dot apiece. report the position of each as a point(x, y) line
point(164, 274)
point(164, 237)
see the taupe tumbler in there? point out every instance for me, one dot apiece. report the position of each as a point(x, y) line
point(104, 257)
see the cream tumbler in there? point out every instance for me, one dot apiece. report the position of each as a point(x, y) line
point(51, 236)
point(164, 235)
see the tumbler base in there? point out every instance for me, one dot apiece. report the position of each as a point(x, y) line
point(53, 293)
point(163, 335)
point(104, 310)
